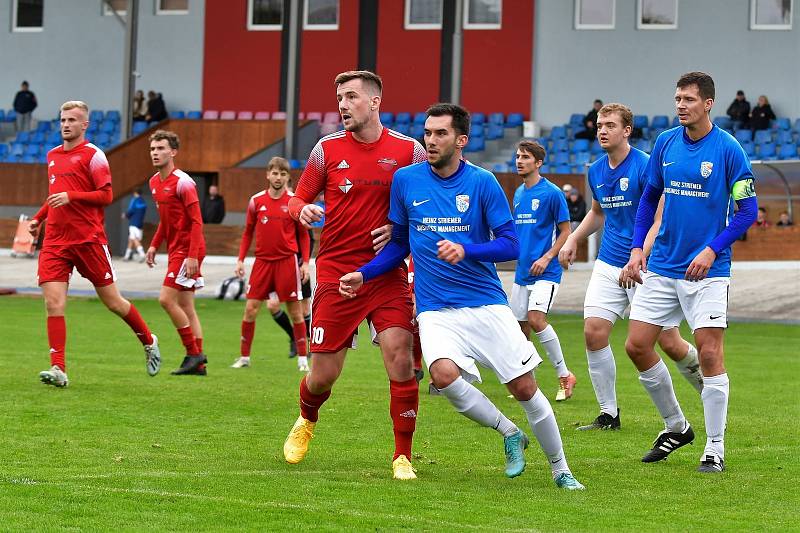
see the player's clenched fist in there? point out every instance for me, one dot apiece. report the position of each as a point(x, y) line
point(450, 252)
point(350, 283)
point(631, 273)
point(311, 213)
point(33, 227)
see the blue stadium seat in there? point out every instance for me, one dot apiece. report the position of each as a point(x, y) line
point(578, 169)
point(595, 149)
point(194, 115)
point(500, 167)
point(177, 114)
point(558, 132)
point(560, 145)
point(294, 164)
point(113, 115)
point(640, 121)
point(42, 158)
point(28, 159)
point(108, 126)
point(642, 144)
point(561, 158)
point(544, 169)
point(576, 130)
point(139, 127)
point(743, 136)
point(514, 120)
point(476, 130)
point(43, 126)
point(767, 151)
point(419, 118)
point(749, 148)
point(763, 136)
point(797, 125)
point(576, 119)
point(32, 149)
point(23, 137)
point(11, 115)
point(563, 169)
point(102, 139)
point(417, 130)
point(655, 132)
point(402, 118)
point(723, 122)
point(3, 149)
point(581, 158)
point(787, 151)
point(386, 117)
point(495, 131)
point(38, 137)
point(660, 121)
point(783, 123)
point(785, 137)
point(53, 138)
point(478, 118)
point(93, 128)
point(475, 144)
point(675, 121)
point(2, 115)
point(12, 158)
point(580, 145)
point(17, 149)
point(405, 128)
point(96, 116)
point(497, 118)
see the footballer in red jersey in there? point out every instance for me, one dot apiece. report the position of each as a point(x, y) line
point(279, 238)
point(181, 226)
point(80, 188)
point(354, 169)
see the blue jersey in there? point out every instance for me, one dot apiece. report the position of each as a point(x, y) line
point(136, 210)
point(538, 211)
point(463, 209)
point(697, 178)
point(618, 191)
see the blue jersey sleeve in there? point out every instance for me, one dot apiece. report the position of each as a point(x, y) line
point(495, 204)
point(397, 208)
point(738, 163)
point(561, 213)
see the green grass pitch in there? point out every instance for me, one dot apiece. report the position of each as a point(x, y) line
point(120, 450)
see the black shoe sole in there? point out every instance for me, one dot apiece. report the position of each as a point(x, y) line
point(191, 366)
point(655, 455)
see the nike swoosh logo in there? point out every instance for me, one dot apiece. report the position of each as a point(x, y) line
point(525, 362)
point(712, 317)
point(715, 441)
point(667, 164)
point(416, 203)
point(539, 303)
point(600, 185)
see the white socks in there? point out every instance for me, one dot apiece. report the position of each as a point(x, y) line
point(543, 425)
point(658, 384)
point(603, 371)
point(715, 394)
point(473, 404)
point(552, 346)
point(689, 367)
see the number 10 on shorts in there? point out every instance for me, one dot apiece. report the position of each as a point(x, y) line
point(317, 334)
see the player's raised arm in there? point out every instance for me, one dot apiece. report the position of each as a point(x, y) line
point(311, 183)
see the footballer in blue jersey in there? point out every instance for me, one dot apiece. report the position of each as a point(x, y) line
point(616, 181)
point(541, 220)
point(701, 171)
point(455, 220)
point(135, 215)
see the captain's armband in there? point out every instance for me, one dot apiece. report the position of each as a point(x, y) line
point(743, 189)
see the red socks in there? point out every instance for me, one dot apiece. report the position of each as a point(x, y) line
point(134, 320)
point(248, 332)
point(403, 407)
point(199, 343)
point(310, 402)
point(188, 340)
point(299, 330)
point(57, 337)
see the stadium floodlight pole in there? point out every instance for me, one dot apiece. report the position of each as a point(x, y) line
point(455, 65)
point(129, 75)
point(292, 86)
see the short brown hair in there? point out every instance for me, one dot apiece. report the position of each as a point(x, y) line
point(622, 110)
point(704, 82)
point(366, 77)
point(169, 136)
point(73, 104)
point(534, 148)
point(459, 115)
point(278, 163)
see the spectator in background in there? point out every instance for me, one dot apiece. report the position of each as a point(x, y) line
point(761, 115)
point(139, 107)
point(566, 188)
point(739, 110)
point(761, 219)
point(156, 109)
point(784, 219)
point(213, 206)
point(577, 207)
point(590, 122)
point(24, 104)
point(135, 215)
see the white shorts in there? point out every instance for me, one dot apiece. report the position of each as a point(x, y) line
point(134, 233)
point(537, 297)
point(664, 301)
point(488, 335)
point(604, 297)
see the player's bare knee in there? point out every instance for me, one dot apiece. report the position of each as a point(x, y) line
point(595, 335)
point(538, 321)
point(119, 306)
point(522, 388)
point(55, 307)
point(273, 305)
point(444, 372)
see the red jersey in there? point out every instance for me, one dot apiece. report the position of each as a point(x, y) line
point(356, 178)
point(80, 172)
point(179, 210)
point(277, 234)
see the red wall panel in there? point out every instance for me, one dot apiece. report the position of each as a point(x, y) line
point(497, 64)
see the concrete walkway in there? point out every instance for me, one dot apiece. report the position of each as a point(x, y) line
point(760, 291)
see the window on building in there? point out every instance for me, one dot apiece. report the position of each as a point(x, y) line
point(657, 15)
point(483, 14)
point(423, 15)
point(120, 6)
point(595, 14)
point(265, 15)
point(172, 7)
point(321, 15)
point(28, 15)
point(771, 14)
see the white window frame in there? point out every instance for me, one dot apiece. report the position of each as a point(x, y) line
point(770, 27)
point(580, 26)
point(108, 12)
point(647, 26)
point(259, 27)
point(321, 27)
point(160, 11)
point(481, 25)
point(408, 25)
point(23, 29)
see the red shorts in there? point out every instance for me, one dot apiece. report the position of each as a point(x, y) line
point(281, 276)
point(92, 260)
point(385, 302)
point(176, 274)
